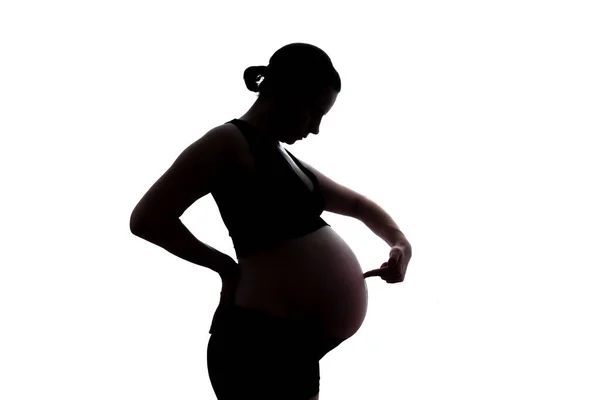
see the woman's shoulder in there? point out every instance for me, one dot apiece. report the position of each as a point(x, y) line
point(233, 138)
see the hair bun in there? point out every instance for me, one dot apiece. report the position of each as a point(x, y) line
point(251, 76)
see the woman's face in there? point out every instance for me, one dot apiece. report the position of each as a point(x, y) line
point(300, 116)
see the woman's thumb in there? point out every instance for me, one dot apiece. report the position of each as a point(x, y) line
point(375, 272)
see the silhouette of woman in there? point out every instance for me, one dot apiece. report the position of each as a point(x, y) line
point(297, 290)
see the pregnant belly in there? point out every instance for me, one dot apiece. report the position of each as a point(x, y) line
point(316, 276)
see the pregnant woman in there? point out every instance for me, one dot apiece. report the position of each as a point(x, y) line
point(297, 290)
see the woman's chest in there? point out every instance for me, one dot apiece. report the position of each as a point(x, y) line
point(271, 166)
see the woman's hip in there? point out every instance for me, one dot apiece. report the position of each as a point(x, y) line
point(247, 325)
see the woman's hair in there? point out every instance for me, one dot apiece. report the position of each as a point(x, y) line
point(294, 70)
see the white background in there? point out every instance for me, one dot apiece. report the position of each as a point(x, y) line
point(473, 124)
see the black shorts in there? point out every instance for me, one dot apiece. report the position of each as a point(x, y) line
point(254, 355)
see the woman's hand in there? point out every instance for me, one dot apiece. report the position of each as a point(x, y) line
point(393, 270)
point(230, 280)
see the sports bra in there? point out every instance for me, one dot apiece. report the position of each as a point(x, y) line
point(270, 203)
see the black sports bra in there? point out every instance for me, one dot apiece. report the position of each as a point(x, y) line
point(271, 203)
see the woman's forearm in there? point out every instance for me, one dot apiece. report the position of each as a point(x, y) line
point(173, 236)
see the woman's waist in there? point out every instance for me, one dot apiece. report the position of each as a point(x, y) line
point(252, 243)
point(320, 262)
point(321, 247)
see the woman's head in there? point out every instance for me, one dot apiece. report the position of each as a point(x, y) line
point(298, 86)
point(295, 70)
